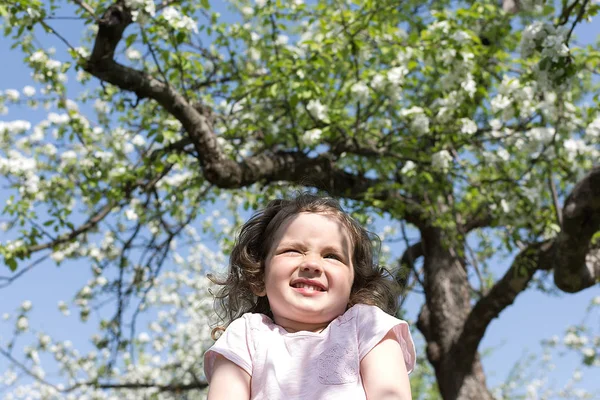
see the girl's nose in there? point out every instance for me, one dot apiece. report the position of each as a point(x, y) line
point(311, 265)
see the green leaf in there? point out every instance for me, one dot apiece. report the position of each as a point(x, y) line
point(130, 39)
point(12, 263)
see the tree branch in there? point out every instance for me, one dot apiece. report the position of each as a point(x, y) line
point(500, 296)
point(160, 388)
point(87, 8)
point(89, 224)
point(217, 166)
point(572, 256)
point(573, 272)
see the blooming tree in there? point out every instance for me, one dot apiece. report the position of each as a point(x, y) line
point(473, 124)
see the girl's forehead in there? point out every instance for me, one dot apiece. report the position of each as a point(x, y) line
point(314, 224)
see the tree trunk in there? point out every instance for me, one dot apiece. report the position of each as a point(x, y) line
point(459, 376)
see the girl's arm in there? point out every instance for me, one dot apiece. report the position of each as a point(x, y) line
point(383, 371)
point(228, 381)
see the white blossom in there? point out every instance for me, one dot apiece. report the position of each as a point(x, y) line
point(12, 94)
point(45, 340)
point(22, 323)
point(53, 64)
point(360, 91)
point(468, 126)
point(26, 305)
point(312, 136)
point(82, 52)
point(138, 140)
point(38, 56)
point(146, 6)
point(420, 124)
point(101, 281)
point(14, 127)
point(317, 110)
point(461, 37)
point(71, 105)
point(593, 129)
point(58, 119)
point(247, 11)
point(588, 352)
point(63, 308)
point(144, 337)
point(131, 215)
point(378, 82)
point(68, 156)
point(179, 21)
point(530, 36)
point(411, 111)
point(469, 85)
point(101, 107)
point(503, 154)
point(58, 256)
point(29, 91)
point(541, 134)
point(396, 75)
point(133, 54)
point(254, 54)
point(500, 102)
point(441, 160)
point(408, 167)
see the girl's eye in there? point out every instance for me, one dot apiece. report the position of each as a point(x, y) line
point(333, 256)
point(290, 251)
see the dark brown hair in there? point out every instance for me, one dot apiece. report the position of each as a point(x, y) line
point(372, 285)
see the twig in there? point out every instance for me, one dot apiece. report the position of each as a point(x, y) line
point(26, 370)
point(147, 42)
point(579, 17)
point(87, 8)
point(58, 35)
point(11, 279)
point(557, 209)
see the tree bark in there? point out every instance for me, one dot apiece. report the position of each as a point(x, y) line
point(443, 316)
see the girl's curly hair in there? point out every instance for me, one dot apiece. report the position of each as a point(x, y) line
point(372, 285)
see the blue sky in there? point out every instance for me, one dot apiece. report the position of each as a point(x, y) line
point(533, 317)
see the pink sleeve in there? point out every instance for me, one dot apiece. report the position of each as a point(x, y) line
point(374, 324)
point(233, 345)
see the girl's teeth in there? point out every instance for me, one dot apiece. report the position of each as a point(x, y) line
point(310, 287)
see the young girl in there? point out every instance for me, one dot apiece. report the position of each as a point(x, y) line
point(309, 311)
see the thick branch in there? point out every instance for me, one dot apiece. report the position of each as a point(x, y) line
point(573, 270)
point(502, 294)
point(481, 220)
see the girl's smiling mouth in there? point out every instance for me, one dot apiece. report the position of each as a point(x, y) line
point(307, 285)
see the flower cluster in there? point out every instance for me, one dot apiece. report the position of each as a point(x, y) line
point(178, 21)
point(549, 41)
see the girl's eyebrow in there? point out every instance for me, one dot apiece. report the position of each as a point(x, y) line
point(290, 243)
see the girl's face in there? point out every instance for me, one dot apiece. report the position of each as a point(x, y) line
point(309, 272)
